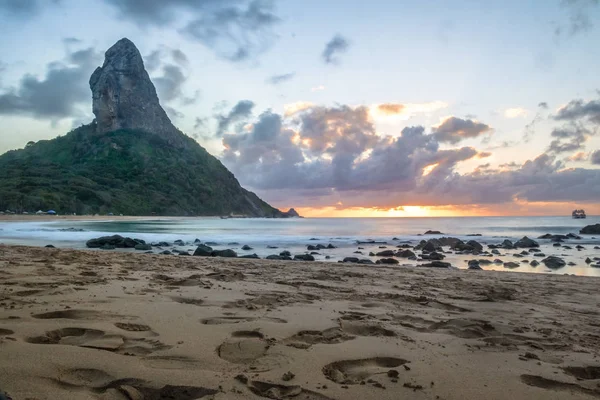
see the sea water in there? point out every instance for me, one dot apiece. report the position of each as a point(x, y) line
point(295, 234)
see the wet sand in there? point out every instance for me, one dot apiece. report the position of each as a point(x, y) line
point(111, 325)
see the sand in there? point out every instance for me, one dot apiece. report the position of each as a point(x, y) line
point(109, 325)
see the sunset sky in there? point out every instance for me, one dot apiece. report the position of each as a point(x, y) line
point(341, 107)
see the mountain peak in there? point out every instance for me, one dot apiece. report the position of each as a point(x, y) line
point(123, 96)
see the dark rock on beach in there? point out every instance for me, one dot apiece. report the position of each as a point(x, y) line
point(385, 253)
point(554, 262)
point(304, 257)
point(436, 264)
point(405, 254)
point(350, 260)
point(433, 233)
point(203, 251)
point(387, 261)
point(254, 256)
point(525, 242)
point(224, 253)
point(591, 230)
point(115, 240)
point(143, 246)
point(246, 247)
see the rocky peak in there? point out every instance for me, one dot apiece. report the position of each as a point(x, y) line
point(123, 96)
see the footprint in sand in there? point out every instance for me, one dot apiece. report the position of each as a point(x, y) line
point(305, 339)
point(465, 328)
point(365, 329)
point(188, 300)
point(252, 349)
point(100, 382)
point(583, 373)
point(237, 320)
point(99, 340)
point(275, 391)
point(73, 314)
point(132, 327)
point(551, 384)
point(355, 371)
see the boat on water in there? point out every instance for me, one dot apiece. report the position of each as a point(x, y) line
point(578, 214)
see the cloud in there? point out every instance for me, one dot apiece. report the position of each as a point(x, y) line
point(58, 94)
point(26, 8)
point(581, 156)
point(277, 79)
point(171, 82)
point(453, 130)
point(530, 127)
point(579, 12)
point(179, 57)
point(516, 112)
point(337, 45)
point(317, 88)
point(391, 108)
point(405, 110)
point(326, 156)
point(568, 139)
point(235, 30)
point(240, 111)
point(293, 108)
point(580, 109)
point(595, 157)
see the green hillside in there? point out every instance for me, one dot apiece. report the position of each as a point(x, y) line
point(128, 172)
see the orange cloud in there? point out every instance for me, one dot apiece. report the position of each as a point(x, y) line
point(391, 108)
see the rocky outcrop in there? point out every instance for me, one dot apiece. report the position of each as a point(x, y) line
point(291, 213)
point(113, 242)
point(123, 96)
point(591, 230)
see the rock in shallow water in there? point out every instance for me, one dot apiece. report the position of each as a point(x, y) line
point(554, 262)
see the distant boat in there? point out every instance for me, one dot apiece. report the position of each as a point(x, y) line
point(578, 214)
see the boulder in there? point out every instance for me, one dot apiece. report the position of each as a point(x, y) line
point(312, 247)
point(405, 254)
point(304, 257)
point(433, 233)
point(246, 247)
point(203, 251)
point(534, 263)
point(511, 264)
point(554, 262)
point(330, 246)
point(285, 253)
point(255, 256)
point(433, 256)
point(573, 236)
point(448, 241)
point(387, 261)
point(350, 260)
point(143, 246)
point(507, 244)
point(224, 253)
point(166, 253)
point(385, 253)
point(365, 261)
point(436, 264)
point(473, 263)
point(179, 242)
point(115, 241)
point(525, 242)
point(49, 246)
point(591, 230)
point(274, 257)
point(475, 245)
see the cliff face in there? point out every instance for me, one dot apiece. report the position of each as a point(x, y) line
point(123, 96)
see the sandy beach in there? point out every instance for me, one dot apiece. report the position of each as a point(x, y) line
point(108, 325)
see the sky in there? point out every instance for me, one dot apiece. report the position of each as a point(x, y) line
point(344, 107)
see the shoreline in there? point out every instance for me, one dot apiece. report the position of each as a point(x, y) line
point(82, 324)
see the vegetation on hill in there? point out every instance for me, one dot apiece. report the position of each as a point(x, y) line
point(125, 171)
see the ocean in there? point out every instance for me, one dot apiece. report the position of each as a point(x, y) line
point(295, 234)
